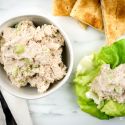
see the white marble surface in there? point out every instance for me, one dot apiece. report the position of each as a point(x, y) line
point(60, 107)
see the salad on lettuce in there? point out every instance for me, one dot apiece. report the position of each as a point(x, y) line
point(100, 82)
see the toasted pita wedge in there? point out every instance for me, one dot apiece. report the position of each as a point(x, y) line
point(62, 7)
point(114, 19)
point(88, 12)
point(84, 26)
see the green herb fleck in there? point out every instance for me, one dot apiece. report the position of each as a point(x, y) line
point(19, 49)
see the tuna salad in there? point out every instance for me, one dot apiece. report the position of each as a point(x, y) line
point(110, 83)
point(32, 55)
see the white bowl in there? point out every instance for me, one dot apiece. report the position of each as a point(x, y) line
point(28, 92)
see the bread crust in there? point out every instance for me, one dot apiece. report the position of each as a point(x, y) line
point(62, 7)
point(88, 12)
point(114, 19)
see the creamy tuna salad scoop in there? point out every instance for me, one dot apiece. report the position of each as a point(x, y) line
point(100, 82)
point(109, 84)
point(32, 55)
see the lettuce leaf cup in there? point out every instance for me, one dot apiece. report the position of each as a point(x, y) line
point(104, 103)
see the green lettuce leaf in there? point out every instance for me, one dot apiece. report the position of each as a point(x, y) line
point(83, 78)
point(113, 55)
point(88, 69)
point(113, 108)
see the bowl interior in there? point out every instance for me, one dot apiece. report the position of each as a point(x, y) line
point(29, 92)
